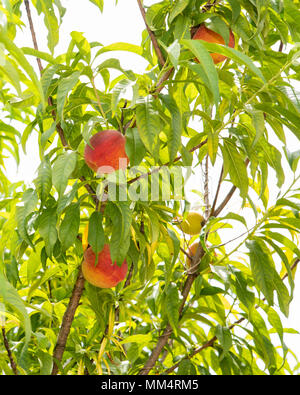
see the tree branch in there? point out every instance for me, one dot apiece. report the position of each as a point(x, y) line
point(67, 321)
point(192, 275)
point(9, 353)
point(35, 45)
point(217, 193)
point(209, 5)
point(163, 339)
point(210, 342)
point(152, 36)
point(206, 190)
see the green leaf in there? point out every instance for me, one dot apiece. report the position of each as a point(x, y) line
point(47, 135)
point(10, 296)
point(120, 46)
point(289, 118)
point(233, 54)
point(51, 24)
point(118, 90)
point(47, 229)
point(67, 199)
point(98, 3)
point(209, 69)
point(172, 306)
point(262, 268)
point(293, 158)
point(186, 368)
point(21, 59)
point(63, 167)
point(273, 157)
point(69, 227)
point(243, 293)
point(209, 290)
point(156, 15)
point(177, 9)
point(43, 182)
point(265, 275)
point(134, 147)
point(285, 261)
point(82, 44)
point(115, 64)
point(22, 212)
point(285, 241)
point(121, 217)
point(34, 262)
point(212, 143)
point(139, 339)
point(223, 334)
point(40, 54)
point(12, 74)
point(47, 77)
point(276, 323)
point(46, 362)
point(259, 125)
point(174, 140)
point(235, 166)
point(174, 53)
point(96, 236)
point(64, 87)
point(148, 124)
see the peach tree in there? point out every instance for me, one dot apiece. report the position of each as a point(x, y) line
point(231, 129)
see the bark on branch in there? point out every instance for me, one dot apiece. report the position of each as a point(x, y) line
point(9, 353)
point(67, 321)
point(151, 35)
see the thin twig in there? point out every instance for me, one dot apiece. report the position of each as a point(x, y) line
point(35, 45)
point(209, 5)
point(206, 190)
point(161, 83)
point(217, 193)
point(152, 36)
point(9, 353)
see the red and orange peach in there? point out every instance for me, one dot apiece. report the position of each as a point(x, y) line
point(203, 33)
point(103, 273)
point(105, 152)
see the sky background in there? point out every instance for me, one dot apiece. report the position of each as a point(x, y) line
point(118, 23)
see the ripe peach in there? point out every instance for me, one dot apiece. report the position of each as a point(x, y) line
point(106, 152)
point(104, 273)
point(203, 33)
point(192, 225)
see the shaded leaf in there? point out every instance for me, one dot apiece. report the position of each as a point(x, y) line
point(62, 169)
point(207, 63)
point(47, 229)
point(69, 227)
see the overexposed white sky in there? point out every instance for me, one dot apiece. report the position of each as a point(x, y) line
point(121, 23)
